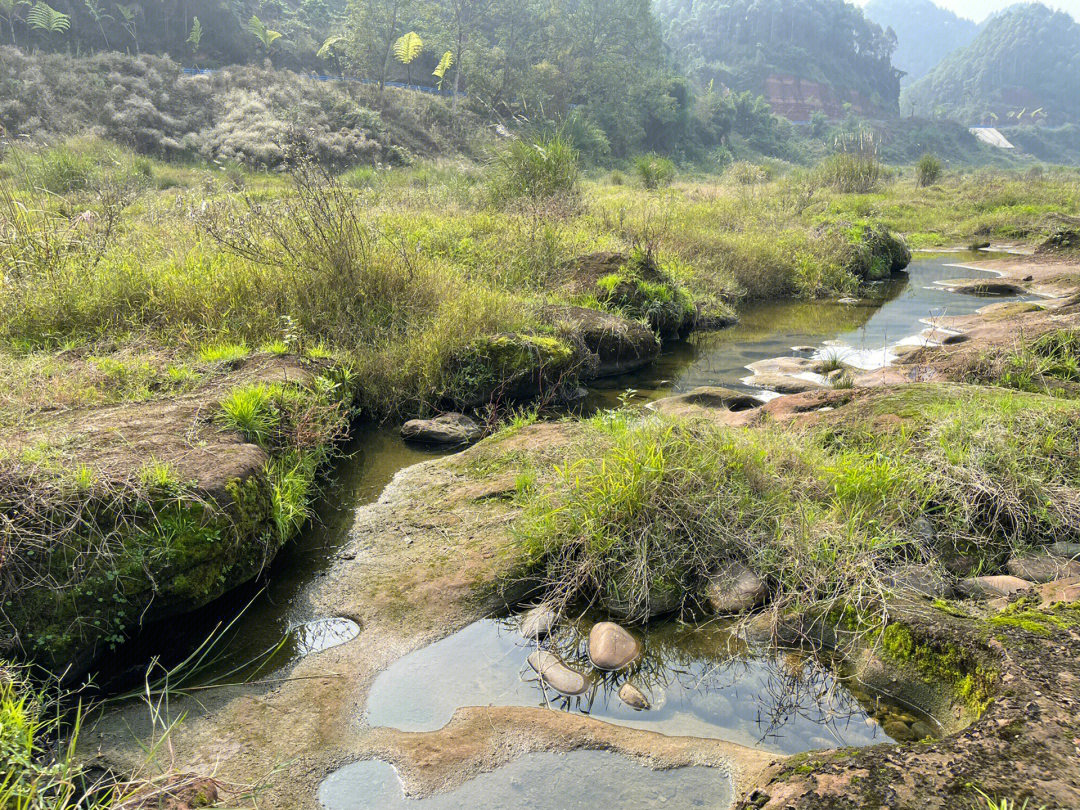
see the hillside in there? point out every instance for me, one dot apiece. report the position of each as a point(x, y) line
point(803, 56)
point(203, 32)
point(1024, 66)
point(925, 33)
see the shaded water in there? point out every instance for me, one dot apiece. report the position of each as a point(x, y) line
point(700, 681)
point(579, 780)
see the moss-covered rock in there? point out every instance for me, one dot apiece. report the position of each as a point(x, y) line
point(873, 252)
point(511, 367)
point(619, 344)
point(152, 509)
point(637, 287)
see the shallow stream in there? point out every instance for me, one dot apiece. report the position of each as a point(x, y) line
point(701, 681)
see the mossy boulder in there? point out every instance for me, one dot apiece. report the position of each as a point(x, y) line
point(873, 252)
point(145, 511)
point(619, 344)
point(635, 286)
point(513, 367)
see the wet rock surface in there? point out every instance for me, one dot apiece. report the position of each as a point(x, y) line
point(735, 588)
point(554, 672)
point(1022, 747)
point(784, 383)
point(611, 647)
point(450, 429)
point(988, 287)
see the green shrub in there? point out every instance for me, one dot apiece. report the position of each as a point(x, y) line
point(654, 170)
point(746, 174)
point(644, 506)
point(539, 167)
point(851, 172)
point(928, 170)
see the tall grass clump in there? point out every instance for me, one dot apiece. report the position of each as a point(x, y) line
point(928, 170)
point(537, 167)
point(1048, 364)
point(654, 170)
point(644, 509)
point(855, 167)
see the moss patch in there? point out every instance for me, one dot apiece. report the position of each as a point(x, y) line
point(973, 682)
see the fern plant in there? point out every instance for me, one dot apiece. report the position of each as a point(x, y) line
point(327, 48)
point(195, 35)
point(444, 65)
point(265, 35)
point(44, 17)
point(129, 22)
point(407, 48)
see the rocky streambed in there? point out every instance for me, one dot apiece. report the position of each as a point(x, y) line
point(435, 697)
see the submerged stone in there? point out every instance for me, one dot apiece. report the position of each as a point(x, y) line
point(556, 674)
point(611, 647)
point(633, 697)
point(735, 588)
point(985, 287)
point(538, 622)
point(450, 428)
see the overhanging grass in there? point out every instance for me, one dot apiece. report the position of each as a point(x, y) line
point(647, 506)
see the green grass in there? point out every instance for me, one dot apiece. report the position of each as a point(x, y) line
point(400, 274)
point(1049, 364)
point(251, 411)
point(646, 506)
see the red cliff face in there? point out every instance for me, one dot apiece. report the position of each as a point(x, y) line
point(796, 98)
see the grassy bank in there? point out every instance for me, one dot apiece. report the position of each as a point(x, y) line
point(137, 269)
point(130, 283)
point(946, 477)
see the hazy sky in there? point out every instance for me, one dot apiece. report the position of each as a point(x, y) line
point(979, 9)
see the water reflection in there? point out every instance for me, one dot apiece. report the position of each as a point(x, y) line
point(579, 780)
point(700, 680)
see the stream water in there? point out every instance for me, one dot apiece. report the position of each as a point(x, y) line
point(579, 780)
point(700, 680)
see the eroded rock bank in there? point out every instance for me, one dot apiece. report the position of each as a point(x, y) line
point(127, 514)
point(420, 563)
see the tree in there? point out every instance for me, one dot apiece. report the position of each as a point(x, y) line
point(407, 48)
point(259, 30)
point(445, 63)
point(8, 9)
point(373, 30)
point(195, 35)
point(462, 19)
point(99, 15)
point(129, 22)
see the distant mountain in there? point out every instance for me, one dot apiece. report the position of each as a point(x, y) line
point(803, 55)
point(1024, 66)
point(925, 33)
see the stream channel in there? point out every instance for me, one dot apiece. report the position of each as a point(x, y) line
point(701, 680)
